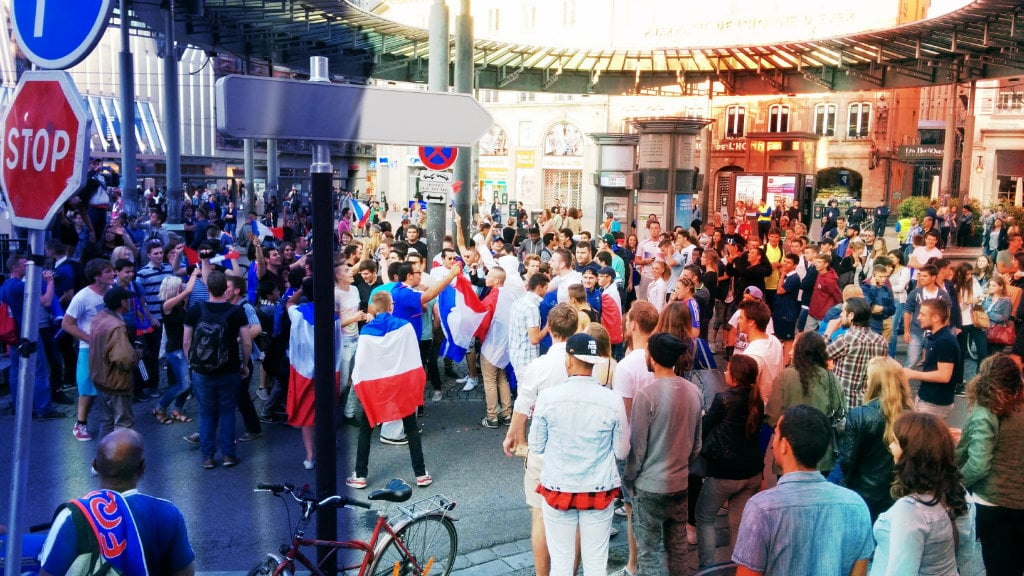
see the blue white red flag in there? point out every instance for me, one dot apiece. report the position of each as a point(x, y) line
point(115, 531)
point(461, 314)
point(362, 212)
point(387, 373)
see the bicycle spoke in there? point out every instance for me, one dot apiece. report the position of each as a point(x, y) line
point(431, 543)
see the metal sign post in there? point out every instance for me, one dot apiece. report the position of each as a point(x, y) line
point(45, 134)
point(275, 108)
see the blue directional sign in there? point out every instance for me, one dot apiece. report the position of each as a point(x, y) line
point(438, 157)
point(58, 34)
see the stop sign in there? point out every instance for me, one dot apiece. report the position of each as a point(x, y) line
point(45, 146)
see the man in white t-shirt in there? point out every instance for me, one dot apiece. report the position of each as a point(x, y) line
point(542, 373)
point(646, 253)
point(763, 347)
point(740, 339)
point(562, 274)
point(922, 254)
point(77, 322)
point(631, 375)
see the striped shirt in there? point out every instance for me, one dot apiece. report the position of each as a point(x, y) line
point(150, 278)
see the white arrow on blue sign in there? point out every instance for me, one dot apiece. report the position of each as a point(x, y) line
point(57, 34)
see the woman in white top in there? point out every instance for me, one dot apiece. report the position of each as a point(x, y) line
point(657, 291)
point(930, 528)
point(899, 281)
point(969, 292)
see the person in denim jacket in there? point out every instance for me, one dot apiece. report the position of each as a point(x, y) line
point(580, 427)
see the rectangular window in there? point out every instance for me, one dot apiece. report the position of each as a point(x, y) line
point(859, 121)
point(825, 120)
point(526, 134)
point(778, 118)
point(735, 121)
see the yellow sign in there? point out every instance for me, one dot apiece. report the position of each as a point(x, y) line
point(525, 159)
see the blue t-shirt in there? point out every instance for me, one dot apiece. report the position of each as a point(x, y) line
point(408, 307)
point(161, 529)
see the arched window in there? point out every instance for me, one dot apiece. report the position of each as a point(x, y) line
point(825, 119)
point(563, 139)
point(735, 121)
point(778, 118)
point(859, 122)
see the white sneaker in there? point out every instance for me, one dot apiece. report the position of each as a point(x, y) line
point(461, 380)
point(438, 396)
point(308, 464)
point(470, 384)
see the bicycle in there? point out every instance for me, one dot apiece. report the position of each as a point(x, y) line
point(423, 542)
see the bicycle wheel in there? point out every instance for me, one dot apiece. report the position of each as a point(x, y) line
point(425, 538)
point(268, 565)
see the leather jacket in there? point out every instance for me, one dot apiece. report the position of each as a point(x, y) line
point(865, 459)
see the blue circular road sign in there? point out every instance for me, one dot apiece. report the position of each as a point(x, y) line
point(58, 34)
point(438, 157)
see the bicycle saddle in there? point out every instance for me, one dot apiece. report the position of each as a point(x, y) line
point(396, 491)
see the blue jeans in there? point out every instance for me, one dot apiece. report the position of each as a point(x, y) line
point(897, 328)
point(718, 491)
point(41, 401)
point(177, 379)
point(659, 525)
point(218, 399)
point(347, 358)
point(914, 350)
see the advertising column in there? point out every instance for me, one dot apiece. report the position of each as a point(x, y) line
point(615, 180)
point(668, 169)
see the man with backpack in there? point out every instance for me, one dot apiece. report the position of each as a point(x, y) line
point(212, 329)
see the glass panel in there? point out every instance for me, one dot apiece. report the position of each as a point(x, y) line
point(153, 128)
point(112, 121)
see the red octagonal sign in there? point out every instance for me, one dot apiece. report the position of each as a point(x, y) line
point(45, 146)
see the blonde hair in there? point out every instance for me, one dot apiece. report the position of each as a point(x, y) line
point(852, 291)
point(887, 382)
point(121, 252)
point(170, 287)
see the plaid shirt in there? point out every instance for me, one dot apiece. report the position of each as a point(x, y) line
point(523, 315)
point(578, 500)
point(851, 353)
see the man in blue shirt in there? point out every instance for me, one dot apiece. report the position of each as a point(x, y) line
point(153, 533)
point(805, 525)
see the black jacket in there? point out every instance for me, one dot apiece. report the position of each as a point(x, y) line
point(866, 461)
point(727, 450)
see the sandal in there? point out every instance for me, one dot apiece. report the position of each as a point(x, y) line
point(162, 416)
point(179, 417)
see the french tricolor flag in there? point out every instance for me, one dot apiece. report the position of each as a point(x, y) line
point(362, 212)
point(387, 373)
point(262, 230)
point(461, 316)
point(301, 388)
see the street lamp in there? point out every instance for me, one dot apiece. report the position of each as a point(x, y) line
point(980, 166)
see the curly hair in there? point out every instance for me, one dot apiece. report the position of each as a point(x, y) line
point(997, 386)
point(926, 464)
point(675, 319)
point(887, 382)
point(809, 356)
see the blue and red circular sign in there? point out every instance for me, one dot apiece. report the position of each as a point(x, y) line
point(438, 157)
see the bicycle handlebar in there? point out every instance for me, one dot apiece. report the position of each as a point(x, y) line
point(338, 501)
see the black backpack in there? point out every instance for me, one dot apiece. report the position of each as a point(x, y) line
point(210, 350)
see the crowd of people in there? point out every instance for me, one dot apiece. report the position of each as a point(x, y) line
point(600, 355)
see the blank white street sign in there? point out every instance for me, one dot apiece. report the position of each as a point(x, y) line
point(262, 108)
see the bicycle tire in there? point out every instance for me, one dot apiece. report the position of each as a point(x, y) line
point(431, 536)
point(267, 566)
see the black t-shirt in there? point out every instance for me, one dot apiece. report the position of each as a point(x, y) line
point(943, 347)
point(174, 326)
point(234, 318)
point(278, 279)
